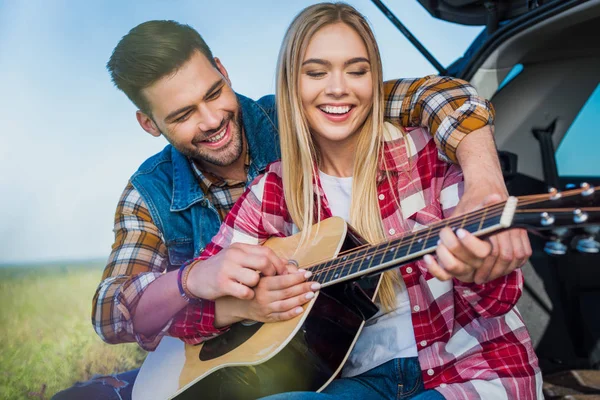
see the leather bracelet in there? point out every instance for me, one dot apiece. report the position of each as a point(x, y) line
point(182, 276)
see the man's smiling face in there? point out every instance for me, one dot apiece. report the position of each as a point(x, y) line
point(197, 111)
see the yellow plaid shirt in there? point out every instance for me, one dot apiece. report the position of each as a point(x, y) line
point(447, 107)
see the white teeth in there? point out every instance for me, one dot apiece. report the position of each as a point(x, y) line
point(217, 137)
point(336, 109)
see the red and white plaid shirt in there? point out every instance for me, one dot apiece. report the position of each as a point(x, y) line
point(472, 342)
point(448, 107)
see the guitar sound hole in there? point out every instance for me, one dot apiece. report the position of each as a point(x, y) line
point(228, 341)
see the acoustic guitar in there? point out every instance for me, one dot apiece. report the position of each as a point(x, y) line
point(306, 353)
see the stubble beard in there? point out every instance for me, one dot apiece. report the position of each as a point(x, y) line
point(222, 157)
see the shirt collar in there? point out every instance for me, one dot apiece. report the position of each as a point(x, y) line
point(207, 180)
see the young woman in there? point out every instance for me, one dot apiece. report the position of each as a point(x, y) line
point(438, 334)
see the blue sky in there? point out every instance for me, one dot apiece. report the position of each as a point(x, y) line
point(70, 140)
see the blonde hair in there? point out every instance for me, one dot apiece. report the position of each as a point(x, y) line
point(299, 155)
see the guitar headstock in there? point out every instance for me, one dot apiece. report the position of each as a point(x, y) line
point(565, 218)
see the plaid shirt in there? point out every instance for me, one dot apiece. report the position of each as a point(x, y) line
point(471, 341)
point(447, 106)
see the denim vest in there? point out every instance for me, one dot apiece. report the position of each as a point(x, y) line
point(170, 188)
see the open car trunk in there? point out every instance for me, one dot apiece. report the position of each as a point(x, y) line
point(539, 63)
point(478, 12)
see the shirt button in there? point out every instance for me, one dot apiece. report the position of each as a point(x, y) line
point(408, 270)
point(392, 231)
point(423, 343)
point(467, 292)
point(443, 385)
point(430, 372)
point(416, 308)
point(381, 196)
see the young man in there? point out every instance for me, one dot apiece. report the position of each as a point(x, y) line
point(219, 142)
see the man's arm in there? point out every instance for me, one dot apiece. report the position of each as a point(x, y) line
point(461, 123)
point(449, 108)
point(275, 298)
point(137, 260)
point(478, 159)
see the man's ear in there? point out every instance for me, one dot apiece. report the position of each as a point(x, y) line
point(222, 70)
point(147, 123)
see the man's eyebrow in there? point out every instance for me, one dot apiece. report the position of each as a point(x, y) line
point(214, 87)
point(172, 115)
point(210, 90)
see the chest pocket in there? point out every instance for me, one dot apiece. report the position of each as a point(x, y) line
point(179, 253)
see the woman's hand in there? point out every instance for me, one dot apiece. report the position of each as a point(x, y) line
point(276, 298)
point(459, 255)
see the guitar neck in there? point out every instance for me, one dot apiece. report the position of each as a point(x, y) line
point(375, 259)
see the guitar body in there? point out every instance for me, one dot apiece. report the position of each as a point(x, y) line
point(305, 353)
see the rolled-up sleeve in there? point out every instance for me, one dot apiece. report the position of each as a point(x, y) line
point(137, 259)
point(449, 108)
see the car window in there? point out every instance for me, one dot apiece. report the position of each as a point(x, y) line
point(577, 154)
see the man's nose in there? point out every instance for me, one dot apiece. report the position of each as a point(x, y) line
point(210, 119)
point(336, 86)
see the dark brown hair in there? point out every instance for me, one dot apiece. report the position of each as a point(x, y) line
point(150, 51)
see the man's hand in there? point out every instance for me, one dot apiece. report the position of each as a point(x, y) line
point(478, 159)
point(470, 259)
point(459, 256)
point(277, 298)
point(234, 272)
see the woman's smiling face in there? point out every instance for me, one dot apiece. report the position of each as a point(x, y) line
point(336, 86)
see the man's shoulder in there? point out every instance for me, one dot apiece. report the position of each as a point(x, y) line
point(267, 102)
point(152, 163)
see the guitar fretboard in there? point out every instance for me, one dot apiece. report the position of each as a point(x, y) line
point(370, 260)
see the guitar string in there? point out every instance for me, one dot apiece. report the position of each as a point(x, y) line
point(433, 229)
point(401, 244)
point(350, 263)
point(523, 201)
point(398, 248)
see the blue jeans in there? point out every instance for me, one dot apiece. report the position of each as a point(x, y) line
point(396, 379)
point(108, 387)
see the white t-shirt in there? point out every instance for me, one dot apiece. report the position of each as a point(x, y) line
point(387, 335)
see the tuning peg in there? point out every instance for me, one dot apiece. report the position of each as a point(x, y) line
point(587, 189)
point(554, 193)
point(547, 219)
point(579, 217)
point(587, 245)
point(555, 247)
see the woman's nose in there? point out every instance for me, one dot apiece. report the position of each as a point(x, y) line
point(336, 86)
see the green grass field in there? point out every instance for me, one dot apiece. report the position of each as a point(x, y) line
point(46, 337)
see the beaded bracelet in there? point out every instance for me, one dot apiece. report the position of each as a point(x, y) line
point(182, 276)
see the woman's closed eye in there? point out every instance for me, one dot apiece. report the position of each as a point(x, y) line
point(316, 74)
point(360, 72)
